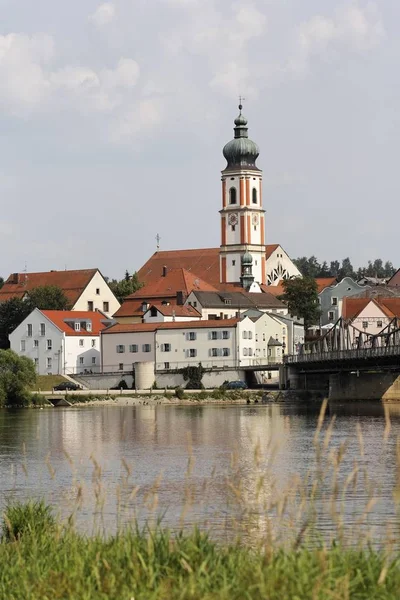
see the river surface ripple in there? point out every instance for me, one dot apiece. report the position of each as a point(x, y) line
point(233, 469)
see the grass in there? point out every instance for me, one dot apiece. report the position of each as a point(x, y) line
point(55, 562)
point(47, 382)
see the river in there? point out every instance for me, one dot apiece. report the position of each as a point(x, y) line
point(233, 469)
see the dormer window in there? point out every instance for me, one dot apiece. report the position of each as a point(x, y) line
point(228, 301)
point(153, 311)
point(77, 326)
point(88, 326)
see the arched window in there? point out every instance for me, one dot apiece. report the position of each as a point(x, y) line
point(254, 196)
point(232, 195)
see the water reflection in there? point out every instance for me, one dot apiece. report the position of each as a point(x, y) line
point(221, 466)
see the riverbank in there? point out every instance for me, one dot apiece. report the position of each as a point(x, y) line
point(199, 397)
point(41, 558)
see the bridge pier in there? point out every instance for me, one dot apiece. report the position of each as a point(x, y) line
point(297, 379)
point(364, 386)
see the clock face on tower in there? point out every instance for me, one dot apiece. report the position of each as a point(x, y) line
point(255, 219)
point(233, 219)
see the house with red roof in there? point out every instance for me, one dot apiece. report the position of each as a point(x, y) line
point(371, 315)
point(173, 345)
point(167, 293)
point(85, 289)
point(61, 342)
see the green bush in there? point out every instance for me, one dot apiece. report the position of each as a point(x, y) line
point(180, 393)
point(17, 376)
point(34, 517)
point(203, 395)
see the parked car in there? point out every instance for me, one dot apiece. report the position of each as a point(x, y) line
point(67, 385)
point(236, 385)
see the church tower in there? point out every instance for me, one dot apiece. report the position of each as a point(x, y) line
point(242, 252)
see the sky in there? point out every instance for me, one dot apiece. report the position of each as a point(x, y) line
point(113, 116)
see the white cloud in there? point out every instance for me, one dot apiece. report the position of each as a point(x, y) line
point(146, 115)
point(22, 62)
point(103, 15)
point(356, 28)
point(29, 83)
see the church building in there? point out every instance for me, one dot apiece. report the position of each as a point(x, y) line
point(243, 260)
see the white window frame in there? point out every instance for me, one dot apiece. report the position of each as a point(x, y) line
point(42, 329)
point(77, 326)
point(120, 348)
point(146, 348)
point(81, 342)
point(23, 346)
point(49, 344)
point(29, 330)
point(133, 348)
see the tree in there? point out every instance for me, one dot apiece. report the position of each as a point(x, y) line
point(346, 270)
point(127, 286)
point(301, 297)
point(17, 375)
point(308, 267)
point(47, 297)
point(389, 269)
point(12, 313)
point(1, 282)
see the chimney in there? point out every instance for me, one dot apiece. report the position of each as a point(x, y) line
point(180, 298)
point(14, 278)
point(164, 271)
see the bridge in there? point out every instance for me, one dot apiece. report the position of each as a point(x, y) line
point(332, 360)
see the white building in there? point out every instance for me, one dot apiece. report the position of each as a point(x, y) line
point(172, 345)
point(158, 313)
point(85, 289)
point(279, 266)
point(60, 342)
point(226, 305)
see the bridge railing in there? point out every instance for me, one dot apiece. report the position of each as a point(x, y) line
point(338, 355)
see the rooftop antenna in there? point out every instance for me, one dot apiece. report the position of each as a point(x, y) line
point(25, 273)
point(158, 238)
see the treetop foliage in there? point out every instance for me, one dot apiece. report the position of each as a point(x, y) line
point(311, 267)
point(17, 375)
point(301, 297)
point(125, 287)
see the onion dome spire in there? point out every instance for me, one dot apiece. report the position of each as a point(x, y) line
point(241, 152)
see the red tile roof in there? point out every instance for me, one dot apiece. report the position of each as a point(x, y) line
point(324, 282)
point(353, 306)
point(71, 282)
point(203, 263)
point(168, 310)
point(137, 327)
point(269, 249)
point(176, 280)
point(59, 318)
